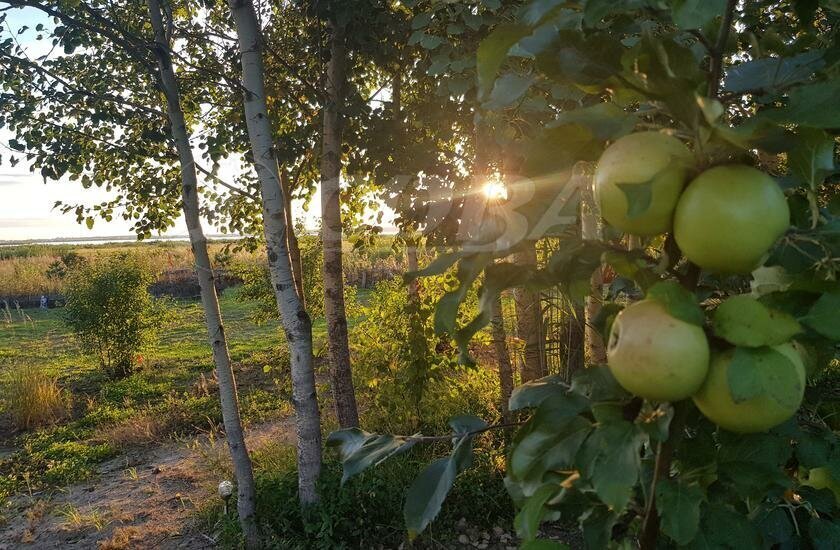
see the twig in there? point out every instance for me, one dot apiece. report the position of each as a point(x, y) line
point(223, 183)
point(434, 438)
point(716, 63)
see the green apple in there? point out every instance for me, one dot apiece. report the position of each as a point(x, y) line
point(821, 478)
point(644, 158)
point(758, 414)
point(728, 218)
point(655, 355)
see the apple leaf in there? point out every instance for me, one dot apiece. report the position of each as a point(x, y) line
point(695, 14)
point(639, 197)
point(611, 459)
point(763, 371)
point(492, 52)
point(824, 534)
point(772, 73)
point(678, 301)
point(597, 524)
point(814, 104)
point(604, 120)
point(527, 521)
point(679, 509)
point(507, 90)
point(744, 321)
point(824, 316)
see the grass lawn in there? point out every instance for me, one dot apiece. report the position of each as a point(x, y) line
point(172, 393)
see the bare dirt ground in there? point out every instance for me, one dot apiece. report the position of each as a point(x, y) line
point(142, 499)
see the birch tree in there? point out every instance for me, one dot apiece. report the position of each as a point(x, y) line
point(246, 498)
point(164, 79)
point(296, 322)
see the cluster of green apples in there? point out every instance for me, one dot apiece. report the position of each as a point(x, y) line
point(724, 220)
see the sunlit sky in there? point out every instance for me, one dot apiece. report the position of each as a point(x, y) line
point(26, 201)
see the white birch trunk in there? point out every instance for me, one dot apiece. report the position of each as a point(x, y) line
point(243, 471)
point(296, 322)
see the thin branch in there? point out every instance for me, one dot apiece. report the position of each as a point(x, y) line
point(435, 438)
point(716, 64)
point(223, 183)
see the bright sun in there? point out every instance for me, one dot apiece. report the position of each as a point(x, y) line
point(495, 190)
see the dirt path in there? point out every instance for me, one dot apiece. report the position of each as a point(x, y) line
point(142, 499)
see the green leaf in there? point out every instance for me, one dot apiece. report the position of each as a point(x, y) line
point(604, 319)
point(759, 371)
point(446, 312)
point(426, 494)
point(775, 527)
point(534, 12)
point(695, 14)
point(744, 321)
point(723, 527)
point(89, 222)
point(598, 384)
point(360, 450)
point(611, 460)
point(507, 90)
point(824, 316)
point(679, 509)
point(606, 121)
point(678, 301)
point(812, 105)
point(634, 265)
point(531, 394)
point(492, 52)
point(773, 73)
point(549, 442)
point(597, 524)
point(438, 266)
point(466, 423)
point(812, 160)
point(825, 535)
point(530, 517)
point(421, 20)
point(639, 197)
point(582, 59)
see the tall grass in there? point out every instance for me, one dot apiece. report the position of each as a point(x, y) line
point(34, 398)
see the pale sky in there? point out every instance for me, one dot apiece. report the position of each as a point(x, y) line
point(26, 201)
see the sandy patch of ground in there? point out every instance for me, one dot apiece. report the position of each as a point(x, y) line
point(142, 499)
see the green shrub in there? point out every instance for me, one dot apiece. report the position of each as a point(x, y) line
point(256, 285)
point(366, 512)
point(408, 374)
point(111, 311)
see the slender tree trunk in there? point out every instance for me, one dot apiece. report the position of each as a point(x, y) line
point(291, 237)
point(339, 347)
point(572, 345)
point(296, 322)
point(590, 230)
point(246, 499)
point(497, 332)
point(412, 265)
point(529, 319)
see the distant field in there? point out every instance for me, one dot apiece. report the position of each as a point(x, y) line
point(24, 268)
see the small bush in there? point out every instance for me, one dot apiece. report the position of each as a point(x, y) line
point(404, 369)
point(111, 311)
point(34, 398)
